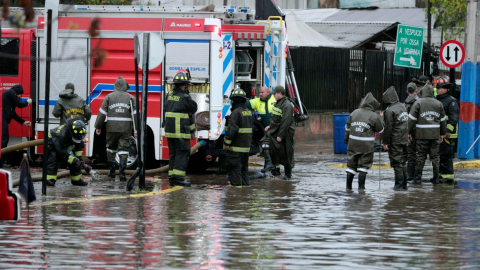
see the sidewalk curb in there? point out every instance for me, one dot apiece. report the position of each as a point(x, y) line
point(457, 165)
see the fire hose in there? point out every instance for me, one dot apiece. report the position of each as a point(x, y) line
point(67, 173)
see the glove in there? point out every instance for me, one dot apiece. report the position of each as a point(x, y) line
point(87, 168)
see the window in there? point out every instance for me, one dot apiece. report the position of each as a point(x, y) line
point(9, 64)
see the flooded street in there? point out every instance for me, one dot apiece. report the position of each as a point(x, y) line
point(310, 222)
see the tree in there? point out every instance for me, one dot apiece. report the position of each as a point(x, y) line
point(450, 16)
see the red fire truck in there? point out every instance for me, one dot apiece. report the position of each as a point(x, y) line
point(223, 47)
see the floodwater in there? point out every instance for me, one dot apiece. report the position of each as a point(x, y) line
point(310, 222)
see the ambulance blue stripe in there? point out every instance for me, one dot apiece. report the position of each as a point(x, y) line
point(227, 82)
point(274, 74)
point(267, 81)
point(228, 59)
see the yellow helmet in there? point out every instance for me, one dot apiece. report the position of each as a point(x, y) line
point(238, 93)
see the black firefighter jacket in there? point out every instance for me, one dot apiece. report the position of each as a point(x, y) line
point(10, 101)
point(117, 108)
point(396, 119)
point(452, 112)
point(179, 107)
point(362, 125)
point(427, 116)
point(239, 131)
point(282, 125)
point(70, 105)
point(61, 140)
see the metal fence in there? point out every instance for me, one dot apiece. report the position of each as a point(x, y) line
point(335, 80)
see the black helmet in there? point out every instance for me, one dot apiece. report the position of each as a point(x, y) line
point(78, 130)
point(182, 77)
point(238, 94)
point(443, 82)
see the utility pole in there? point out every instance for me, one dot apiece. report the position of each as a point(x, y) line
point(429, 39)
point(472, 28)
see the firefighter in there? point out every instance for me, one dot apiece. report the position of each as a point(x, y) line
point(119, 106)
point(427, 116)
point(11, 100)
point(238, 138)
point(360, 138)
point(65, 145)
point(179, 107)
point(70, 105)
point(447, 147)
point(411, 149)
point(263, 106)
point(395, 138)
point(280, 133)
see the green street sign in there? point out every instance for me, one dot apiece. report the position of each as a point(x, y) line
point(408, 50)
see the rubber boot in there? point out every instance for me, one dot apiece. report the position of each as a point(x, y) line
point(405, 178)
point(350, 177)
point(288, 173)
point(111, 174)
point(79, 183)
point(276, 172)
point(123, 167)
point(361, 181)
point(435, 180)
point(410, 171)
point(179, 182)
point(51, 183)
point(417, 180)
point(268, 164)
point(398, 182)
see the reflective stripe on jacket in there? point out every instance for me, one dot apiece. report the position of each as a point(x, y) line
point(239, 131)
point(264, 108)
point(179, 107)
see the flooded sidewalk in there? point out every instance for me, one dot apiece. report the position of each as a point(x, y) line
point(309, 222)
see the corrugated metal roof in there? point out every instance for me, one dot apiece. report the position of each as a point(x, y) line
point(351, 34)
point(410, 16)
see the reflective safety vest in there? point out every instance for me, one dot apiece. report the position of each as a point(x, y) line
point(264, 108)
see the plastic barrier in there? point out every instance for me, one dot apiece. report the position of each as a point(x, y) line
point(339, 122)
point(9, 201)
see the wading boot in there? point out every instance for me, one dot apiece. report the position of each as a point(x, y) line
point(435, 180)
point(417, 180)
point(276, 172)
point(398, 182)
point(123, 167)
point(410, 172)
point(350, 177)
point(174, 181)
point(288, 173)
point(404, 178)
point(79, 182)
point(51, 183)
point(268, 164)
point(361, 181)
point(111, 174)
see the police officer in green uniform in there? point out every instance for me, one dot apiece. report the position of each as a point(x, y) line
point(411, 149)
point(119, 107)
point(395, 138)
point(427, 116)
point(281, 131)
point(179, 107)
point(70, 105)
point(65, 145)
point(237, 141)
point(360, 138)
point(447, 147)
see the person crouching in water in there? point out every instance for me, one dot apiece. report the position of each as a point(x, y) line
point(360, 138)
point(395, 137)
point(238, 138)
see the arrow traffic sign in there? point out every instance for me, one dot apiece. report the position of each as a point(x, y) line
point(452, 53)
point(409, 46)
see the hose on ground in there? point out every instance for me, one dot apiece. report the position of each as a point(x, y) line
point(19, 146)
point(127, 172)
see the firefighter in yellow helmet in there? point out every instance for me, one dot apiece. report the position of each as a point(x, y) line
point(179, 108)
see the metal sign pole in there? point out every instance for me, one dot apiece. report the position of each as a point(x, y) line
point(146, 48)
point(47, 102)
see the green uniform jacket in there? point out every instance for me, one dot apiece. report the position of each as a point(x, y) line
point(282, 125)
point(264, 108)
point(396, 119)
point(239, 132)
point(119, 107)
point(427, 116)
point(409, 102)
point(70, 105)
point(362, 125)
point(179, 107)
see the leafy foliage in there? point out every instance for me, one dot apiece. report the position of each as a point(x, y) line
point(450, 16)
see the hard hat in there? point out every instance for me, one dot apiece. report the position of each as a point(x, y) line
point(238, 94)
point(78, 130)
point(443, 82)
point(182, 77)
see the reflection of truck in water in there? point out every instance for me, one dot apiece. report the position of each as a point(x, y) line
point(222, 47)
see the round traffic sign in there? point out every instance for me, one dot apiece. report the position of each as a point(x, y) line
point(452, 53)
